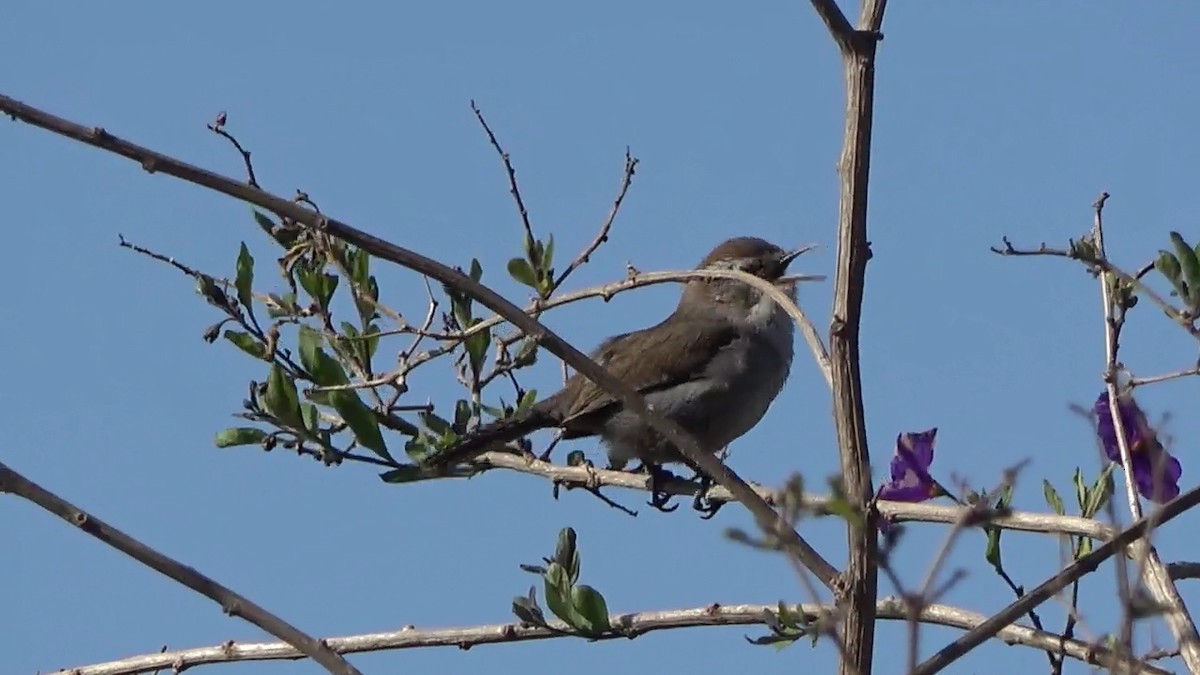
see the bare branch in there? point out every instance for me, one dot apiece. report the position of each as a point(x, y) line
point(631, 624)
point(860, 579)
point(1052, 586)
point(871, 18)
point(584, 256)
point(508, 168)
point(1154, 573)
point(767, 518)
point(1184, 570)
point(1104, 265)
point(230, 601)
point(839, 26)
point(899, 512)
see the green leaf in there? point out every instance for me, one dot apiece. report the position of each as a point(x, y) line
point(325, 370)
point(558, 594)
point(460, 305)
point(362, 266)
point(567, 555)
point(526, 354)
point(1052, 499)
point(361, 421)
point(245, 278)
point(476, 270)
point(462, 416)
point(404, 474)
point(310, 342)
point(1168, 266)
point(247, 343)
point(1085, 547)
point(310, 281)
point(434, 423)
point(329, 284)
point(493, 410)
point(520, 270)
point(590, 607)
point(1081, 490)
point(207, 287)
point(532, 249)
point(264, 221)
point(527, 610)
point(527, 399)
point(372, 341)
point(992, 552)
point(1100, 492)
point(477, 346)
point(281, 306)
point(281, 399)
point(417, 448)
point(548, 255)
point(364, 300)
point(309, 413)
point(228, 438)
point(1190, 265)
point(1005, 500)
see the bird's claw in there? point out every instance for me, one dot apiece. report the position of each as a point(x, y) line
point(659, 499)
point(701, 503)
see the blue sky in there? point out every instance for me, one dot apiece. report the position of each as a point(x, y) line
point(993, 119)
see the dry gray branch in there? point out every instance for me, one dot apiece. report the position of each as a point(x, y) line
point(231, 602)
point(857, 587)
point(637, 623)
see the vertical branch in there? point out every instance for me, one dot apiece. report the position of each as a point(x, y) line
point(1154, 573)
point(859, 585)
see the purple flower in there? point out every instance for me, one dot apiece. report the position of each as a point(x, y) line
point(910, 469)
point(1155, 472)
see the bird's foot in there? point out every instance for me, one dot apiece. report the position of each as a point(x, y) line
point(701, 503)
point(659, 499)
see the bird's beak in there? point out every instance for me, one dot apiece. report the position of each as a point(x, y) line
point(793, 279)
point(795, 253)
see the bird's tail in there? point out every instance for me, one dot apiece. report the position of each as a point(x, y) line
point(478, 441)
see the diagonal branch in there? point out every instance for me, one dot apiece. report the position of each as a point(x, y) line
point(233, 603)
point(630, 624)
point(765, 516)
point(839, 26)
point(1049, 588)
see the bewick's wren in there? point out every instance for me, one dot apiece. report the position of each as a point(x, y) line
point(713, 366)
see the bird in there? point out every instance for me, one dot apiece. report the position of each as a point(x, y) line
point(713, 366)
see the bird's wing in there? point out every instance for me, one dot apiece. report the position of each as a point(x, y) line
point(679, 349)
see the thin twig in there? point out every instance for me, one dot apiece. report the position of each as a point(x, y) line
point(512, 173)
point(1187, 372)
point(582, 259)
point(1104, 265)
point(218, 127)
point(231, 602)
